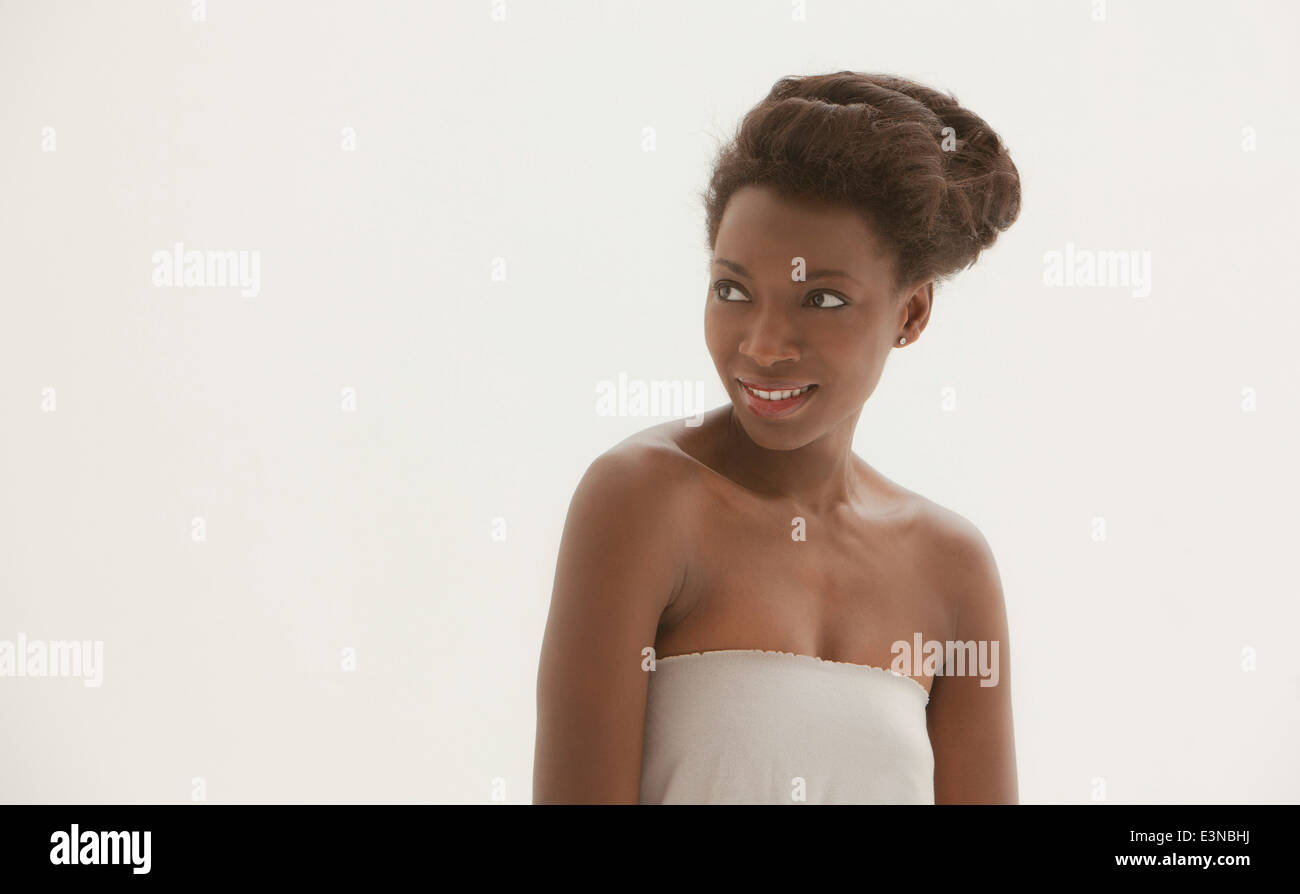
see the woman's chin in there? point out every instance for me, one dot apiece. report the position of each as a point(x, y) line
point(773, 437)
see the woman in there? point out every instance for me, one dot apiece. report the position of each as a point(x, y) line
point(730, 597)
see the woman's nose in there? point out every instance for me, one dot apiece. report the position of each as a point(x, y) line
point(770, 339)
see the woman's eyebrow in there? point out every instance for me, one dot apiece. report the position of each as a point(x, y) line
point(733, 266)
point(816, 274)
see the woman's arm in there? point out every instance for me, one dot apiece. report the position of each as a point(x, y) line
point(970, 725)
point(619, 567)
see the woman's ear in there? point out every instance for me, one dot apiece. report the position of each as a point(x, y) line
point(915, 302)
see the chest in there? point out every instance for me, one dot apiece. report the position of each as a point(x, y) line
point(841, 587)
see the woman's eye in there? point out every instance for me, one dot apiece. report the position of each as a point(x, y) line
point(725, 290)
point(820, 299)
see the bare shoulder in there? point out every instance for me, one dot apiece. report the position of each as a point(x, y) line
point(642, 488)
point(620, 565)
point(947, 549)
point(650, 466)
point(960, 561)
point(627, 533)
point(952, 541)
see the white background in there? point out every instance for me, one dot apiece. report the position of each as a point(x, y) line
point(523, 139)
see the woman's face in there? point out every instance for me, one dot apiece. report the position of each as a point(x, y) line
point(801, 294)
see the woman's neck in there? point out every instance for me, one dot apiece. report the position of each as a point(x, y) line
point(819, 476)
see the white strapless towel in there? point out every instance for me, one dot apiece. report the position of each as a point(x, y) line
point(749, 726)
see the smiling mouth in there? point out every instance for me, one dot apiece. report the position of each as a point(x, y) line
point(778, 400)
point(776, 395)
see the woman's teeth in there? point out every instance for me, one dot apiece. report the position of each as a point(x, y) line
point(777, 395)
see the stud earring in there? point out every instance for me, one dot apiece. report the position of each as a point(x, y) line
point(902, 340)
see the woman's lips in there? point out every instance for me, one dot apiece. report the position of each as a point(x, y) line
point(774, 409)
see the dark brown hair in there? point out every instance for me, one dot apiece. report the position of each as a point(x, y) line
point(877, 143)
